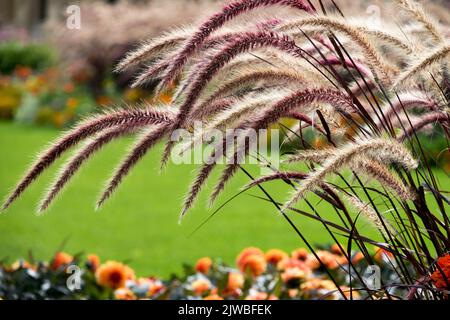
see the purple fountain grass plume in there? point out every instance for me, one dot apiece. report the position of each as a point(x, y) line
point(245, 42)
point(426, 62)
point(377, 64)
point(276, 176)
point(366, 166)
point(304, 118)
point(283, 107)
point(155, 70)
point(149, 50)
point(333, 61)
point(82, 131)
point(273, 114)
point(205, 171)
point(149, 139)
point(382, 150)
point(378, 171)
point(417, 11)
point(228, 13)
point(426, 119)
point(317, 156)
point(106, 136)
point(407, 101)
point(370, 214)
point(248, 78)
point(211, 110)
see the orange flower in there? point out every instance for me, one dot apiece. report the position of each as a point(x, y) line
point(200, 286)
point(213, 297)
point(240, 261)
point(441, 278)
point(113, 274)
point(293, 274)
point(274, 256)
point(235, 281)
point(293, 263)
point(93, 262)
point(23, 72)
point(60, 259)
point(68, 87)
point(329, 260)
point(124, 294)
point(256, 264)
point(300, 254)
point(72, 103)
point(203, 265)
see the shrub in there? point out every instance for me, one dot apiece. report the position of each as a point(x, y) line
point(35, 56)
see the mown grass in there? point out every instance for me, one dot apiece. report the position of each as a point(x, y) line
point(139, 224)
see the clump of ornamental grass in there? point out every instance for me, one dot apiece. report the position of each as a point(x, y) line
point(365, 91)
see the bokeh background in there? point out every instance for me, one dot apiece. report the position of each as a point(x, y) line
point(51, 76)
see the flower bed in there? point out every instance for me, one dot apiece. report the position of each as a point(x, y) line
point(257, 275)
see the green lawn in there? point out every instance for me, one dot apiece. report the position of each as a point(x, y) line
point(139, 224)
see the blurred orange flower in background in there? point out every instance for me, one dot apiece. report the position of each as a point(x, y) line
point(242, 258)
point(300, 254)
point(60, 259)
point(274, 256)
point(254, 263)
point(203, 265)
point(114, 274)
point(93, 262)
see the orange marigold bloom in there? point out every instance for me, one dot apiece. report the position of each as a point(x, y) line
point(329, 260)
point(292, 274)
point(213, 297)
point(203, 265)
point(200, 286)
point(235, 281)
point(114, 274)
point(441, 278)
point(240, 261)
point(124, 294)
point(60, 259)
point(93, 262)
point(300, 254)
point(256, 264)
point(274, 256)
